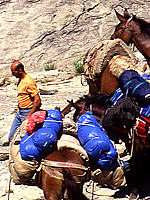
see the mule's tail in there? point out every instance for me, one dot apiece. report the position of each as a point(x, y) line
point(72, 189)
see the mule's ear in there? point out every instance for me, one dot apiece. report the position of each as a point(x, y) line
point(120, 17)
point(126, 14)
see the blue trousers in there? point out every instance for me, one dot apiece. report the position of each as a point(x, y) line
point(19, 118)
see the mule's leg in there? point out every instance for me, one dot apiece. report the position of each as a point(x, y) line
point(135, 175)
point(52, 187)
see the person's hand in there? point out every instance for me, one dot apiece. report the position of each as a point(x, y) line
point(16, 111)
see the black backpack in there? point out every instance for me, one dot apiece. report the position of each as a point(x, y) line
point(123, 114)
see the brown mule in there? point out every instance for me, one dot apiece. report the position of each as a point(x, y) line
point(63, 172)
point(132, 29)
point(63, 175)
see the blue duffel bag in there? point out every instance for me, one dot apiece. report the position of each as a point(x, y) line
point(28, 150)
point(46, 136)
point(133, 84)
point(53, 120)
point(44, 139)
point(96, 143)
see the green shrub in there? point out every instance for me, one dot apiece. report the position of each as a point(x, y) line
point(78, 66)
point(49, 67)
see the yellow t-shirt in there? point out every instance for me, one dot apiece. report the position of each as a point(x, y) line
point(27, 89)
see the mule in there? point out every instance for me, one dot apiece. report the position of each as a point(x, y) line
point(136, 146)
point(134, 30)
point(95, 103)
point(63, 172)
point(99, 104)
point(62, 176)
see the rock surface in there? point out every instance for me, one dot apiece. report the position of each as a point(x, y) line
point(53, 33)
point(57, 33)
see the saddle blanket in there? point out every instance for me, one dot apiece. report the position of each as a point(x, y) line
point(68, 141)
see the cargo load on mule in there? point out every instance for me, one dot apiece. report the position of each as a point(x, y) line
point(44, 139)
point(104, 161)
point(27, 148)
point(25, 151)
point(99, 68)
point(95, 141)
point(108, 67)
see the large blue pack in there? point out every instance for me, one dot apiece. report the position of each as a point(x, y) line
point(44, 139)
point(95, 141)
point(28, 150)
point(133, 84)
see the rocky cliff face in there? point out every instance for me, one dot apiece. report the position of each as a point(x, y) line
point(58, 33)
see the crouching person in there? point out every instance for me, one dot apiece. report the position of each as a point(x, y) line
point(102, 154)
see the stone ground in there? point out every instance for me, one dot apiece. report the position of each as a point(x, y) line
point(70, 89)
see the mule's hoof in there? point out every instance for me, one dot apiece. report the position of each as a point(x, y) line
point(134, 194)
point(147, 198)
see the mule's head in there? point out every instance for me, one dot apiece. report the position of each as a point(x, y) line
point(95, 103)
point(79, 109)
point(121, 30)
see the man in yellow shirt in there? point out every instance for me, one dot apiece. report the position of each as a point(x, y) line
point(28, 97)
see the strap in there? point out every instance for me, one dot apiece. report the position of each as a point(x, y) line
point(137, 87)
point(57, 164)
point(59, 175)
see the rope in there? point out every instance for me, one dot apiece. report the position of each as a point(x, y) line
point(82, 124)
point(58, 164)
point(50, 120)
point(94, 194)
point(132, 145)
point(10, 178)
point(92, 190)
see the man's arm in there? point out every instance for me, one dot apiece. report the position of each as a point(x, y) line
point(36, 105)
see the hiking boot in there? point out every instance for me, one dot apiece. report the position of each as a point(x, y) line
point(147, 198)
point(134, 194)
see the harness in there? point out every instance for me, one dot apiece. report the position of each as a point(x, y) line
point(143, 127)
point(125, 27)
point(56, 169)
point(52, 169)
